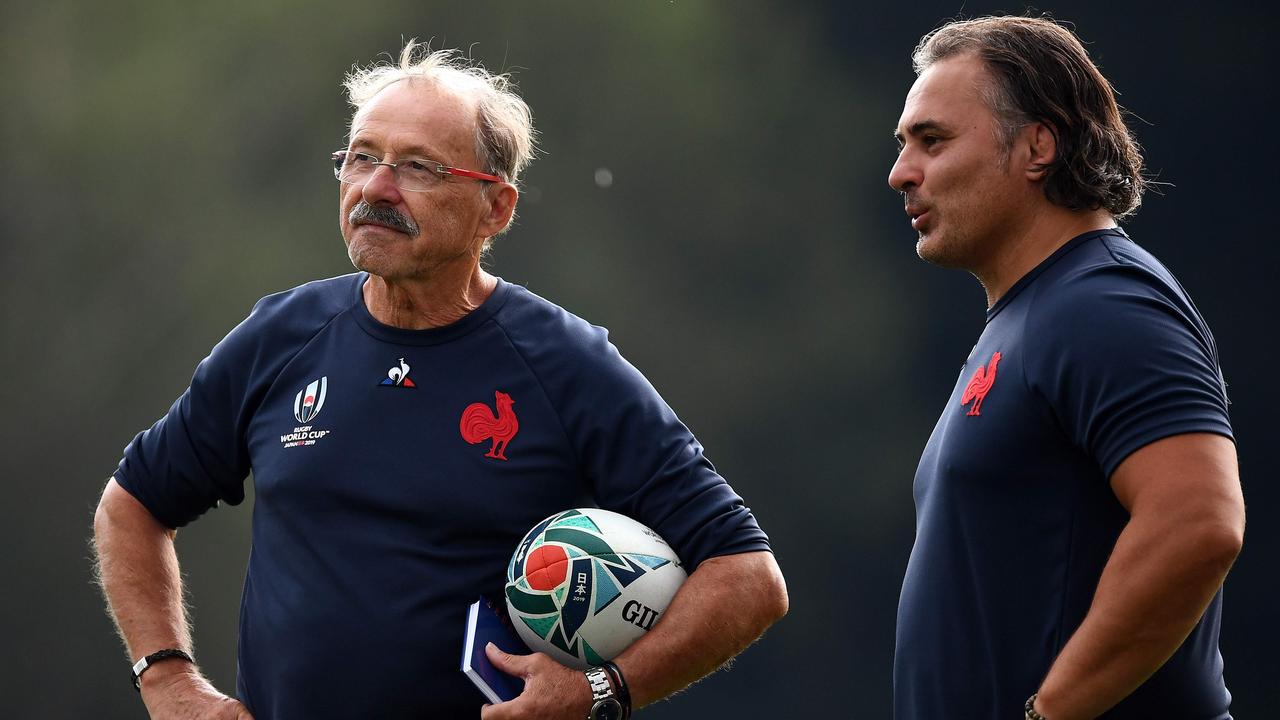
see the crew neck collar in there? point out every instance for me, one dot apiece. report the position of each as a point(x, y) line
point(1035, 272)
point(429, 336)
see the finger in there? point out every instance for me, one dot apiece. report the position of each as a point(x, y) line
point(510, 664)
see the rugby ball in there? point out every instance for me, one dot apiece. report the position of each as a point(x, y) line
point(584, 584)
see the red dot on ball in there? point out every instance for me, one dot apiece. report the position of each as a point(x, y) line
point(546, 567)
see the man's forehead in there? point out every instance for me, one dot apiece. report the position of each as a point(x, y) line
point(945, 89)
point(410, 108)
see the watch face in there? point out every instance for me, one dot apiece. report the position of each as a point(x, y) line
point(609, 709)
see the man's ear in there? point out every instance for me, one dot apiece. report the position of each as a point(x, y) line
point(501, 199)
point(1042, 143)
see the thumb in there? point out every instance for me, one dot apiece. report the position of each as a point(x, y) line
point(506, 662)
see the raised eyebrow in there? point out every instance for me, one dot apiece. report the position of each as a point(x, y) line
point(924, 126)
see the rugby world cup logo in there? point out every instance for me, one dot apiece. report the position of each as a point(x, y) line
point(308, 402)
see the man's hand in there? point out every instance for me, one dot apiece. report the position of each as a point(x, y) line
point(185, 694)
point(551, 690)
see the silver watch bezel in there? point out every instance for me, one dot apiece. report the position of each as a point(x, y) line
point(607, 702)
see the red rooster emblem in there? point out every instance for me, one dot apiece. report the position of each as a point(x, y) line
point(977, 389)
point(479, 424)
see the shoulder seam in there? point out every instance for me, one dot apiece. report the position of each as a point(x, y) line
point(1112, 252)
point(298, 351)
point(1027, 373)
point(1047, 408)
point(577, 458)
point(1026, 320)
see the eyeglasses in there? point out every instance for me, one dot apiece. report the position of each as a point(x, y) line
point(412, 174)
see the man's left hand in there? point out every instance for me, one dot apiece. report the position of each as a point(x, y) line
point(551, 690)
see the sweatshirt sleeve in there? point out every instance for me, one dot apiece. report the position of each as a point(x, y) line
point(197, 454)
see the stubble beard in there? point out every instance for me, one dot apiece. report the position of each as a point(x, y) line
point(943, 249)
point(966, 238)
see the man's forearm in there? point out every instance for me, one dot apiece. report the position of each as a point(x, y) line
point(722, 608)
point(1152, 593)
point(138, 571)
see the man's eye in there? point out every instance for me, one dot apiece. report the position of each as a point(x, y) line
point(930, 140)
point(423, 170)
point(361, 159)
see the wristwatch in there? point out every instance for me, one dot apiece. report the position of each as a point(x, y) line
point(604, 704)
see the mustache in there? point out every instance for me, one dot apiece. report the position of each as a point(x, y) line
point(364, 213)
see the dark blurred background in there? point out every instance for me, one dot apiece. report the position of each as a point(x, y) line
point(711, 188)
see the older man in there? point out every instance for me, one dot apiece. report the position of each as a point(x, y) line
point(380, 515)
point(1078, 504)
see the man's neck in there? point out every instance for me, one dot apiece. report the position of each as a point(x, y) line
point(1033, 242)
point(424, 303)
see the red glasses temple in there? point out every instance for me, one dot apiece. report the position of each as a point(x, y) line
point(472, 174)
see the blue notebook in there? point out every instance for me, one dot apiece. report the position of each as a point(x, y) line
point(484, 626)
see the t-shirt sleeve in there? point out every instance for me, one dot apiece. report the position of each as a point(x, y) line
point(636, 455)
point(196, 454)
point(1123, 360)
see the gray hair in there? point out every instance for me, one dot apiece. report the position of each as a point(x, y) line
point(505, 138)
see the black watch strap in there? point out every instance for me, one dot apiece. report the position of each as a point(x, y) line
point(619, 687)
point(155, 657)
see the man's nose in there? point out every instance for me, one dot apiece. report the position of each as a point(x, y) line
point(380, 188)
point(904, 174)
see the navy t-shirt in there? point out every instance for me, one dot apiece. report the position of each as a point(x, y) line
point(1095, 353)
point(387, 501)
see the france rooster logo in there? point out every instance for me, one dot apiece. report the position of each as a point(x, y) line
point(977, 389)
point(479, 423)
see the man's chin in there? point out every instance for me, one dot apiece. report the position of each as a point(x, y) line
point(933, 250)
point(926, 247)
point(372, 260)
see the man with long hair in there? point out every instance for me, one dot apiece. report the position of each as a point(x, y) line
point(1078, 504)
